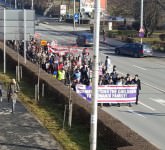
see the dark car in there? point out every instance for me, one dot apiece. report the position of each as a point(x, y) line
point(135, 50)
point(85, 39)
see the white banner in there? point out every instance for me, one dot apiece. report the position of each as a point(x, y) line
point(110, 94)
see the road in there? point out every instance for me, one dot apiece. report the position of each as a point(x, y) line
point(147, 118)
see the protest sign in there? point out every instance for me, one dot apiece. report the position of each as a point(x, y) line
point(109, 94)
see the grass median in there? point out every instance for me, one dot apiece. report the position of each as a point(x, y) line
point(51, 117)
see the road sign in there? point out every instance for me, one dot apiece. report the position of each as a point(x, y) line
point(43, 43)
point(76, 17)
point(141, 34)
point(17, 24)
point(141, 30)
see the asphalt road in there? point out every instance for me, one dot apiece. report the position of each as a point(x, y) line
point(147, 118)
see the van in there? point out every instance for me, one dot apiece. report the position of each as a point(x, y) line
point(85, 39)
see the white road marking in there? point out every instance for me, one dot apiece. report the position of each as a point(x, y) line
point(133, 112)
point(160, 101)
point(154, 87)
point(5, 113)
point(153, 109)
point(139, 67)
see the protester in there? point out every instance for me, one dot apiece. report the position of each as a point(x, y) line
point(136, 81)
point(13, 89)
point(0, 91)
point(61, 75)
point(72, 69)
point(104, 35)
point(108, 64)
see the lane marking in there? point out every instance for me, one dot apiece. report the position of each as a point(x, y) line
point(139, 67)
point(147, 84)
point(153, 109)
point(133, 112)
point(160, 101)
point(154, 87)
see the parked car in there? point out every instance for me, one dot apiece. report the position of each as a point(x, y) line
point(135, 50)
point(85, 39)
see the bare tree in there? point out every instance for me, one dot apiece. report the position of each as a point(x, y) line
point(127, 8)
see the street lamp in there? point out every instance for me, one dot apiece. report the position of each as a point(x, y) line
point(93, 127)
point(141, 21)
point(74, 5)
point(15, 4)
point(32, 7)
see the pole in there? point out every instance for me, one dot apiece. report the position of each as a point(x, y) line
point(70, 94)
point(141, 19)
point(79, 14)
point(18, 68)
point(38, 84)
point(43, 89)
point(93, 128)
point(74, 5)
point(32, 4)
point(4, 44)
point(63, 124)
point(25, 36)
point(15, 4)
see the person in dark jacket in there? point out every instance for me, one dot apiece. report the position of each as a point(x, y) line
point(136, 81)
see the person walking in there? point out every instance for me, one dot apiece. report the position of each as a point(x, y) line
point(136, 81)
point(107, 64)
point(13, 89)
point(103, 35)
point(0, 91)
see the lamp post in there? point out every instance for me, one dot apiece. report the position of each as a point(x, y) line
point(74, 5)
point(93, 127)
point(141, 20)
point(15, 4)
point(4, 53)
point(32, 5)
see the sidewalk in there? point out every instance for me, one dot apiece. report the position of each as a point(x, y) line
point(21, 131)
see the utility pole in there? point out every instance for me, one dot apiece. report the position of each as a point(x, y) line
point(32, 5)
point(74, 5)
point(141, 19)
point(25, 34)
point(93, 128)
point(15, 4)
point(70, 93)
point(4, 44)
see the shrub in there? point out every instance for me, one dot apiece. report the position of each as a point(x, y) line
point(162, 37)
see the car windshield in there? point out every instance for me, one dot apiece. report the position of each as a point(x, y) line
point(146, 46)
point(89, 37)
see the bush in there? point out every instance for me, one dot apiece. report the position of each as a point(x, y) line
point(136, 25)
point(162, 37)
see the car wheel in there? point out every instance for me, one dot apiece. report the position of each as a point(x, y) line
point(117, 52)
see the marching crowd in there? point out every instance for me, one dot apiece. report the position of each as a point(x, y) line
point(72, 69)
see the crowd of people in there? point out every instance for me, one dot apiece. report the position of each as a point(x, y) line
point(72, 69)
